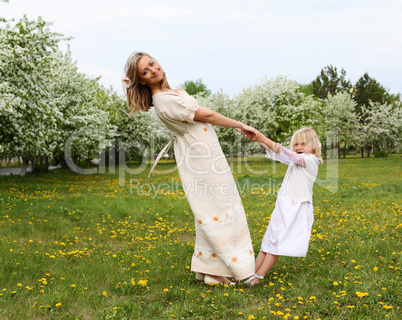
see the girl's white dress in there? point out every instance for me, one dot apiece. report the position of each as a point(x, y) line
point(223, 245)
point(288, 232)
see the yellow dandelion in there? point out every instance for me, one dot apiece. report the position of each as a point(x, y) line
point(361, 294)
point(104, 293)
point(143, 282)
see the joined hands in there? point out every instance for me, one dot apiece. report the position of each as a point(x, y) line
point(248, 132)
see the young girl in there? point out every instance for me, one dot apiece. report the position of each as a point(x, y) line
point(288, 232)
point(223, 245)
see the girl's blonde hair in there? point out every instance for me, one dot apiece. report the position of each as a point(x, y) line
point(139, 96)
point(307, 136)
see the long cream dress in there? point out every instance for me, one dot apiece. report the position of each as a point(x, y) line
point(222, 244)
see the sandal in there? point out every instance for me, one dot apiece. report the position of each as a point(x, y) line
point(249, 282)
point(210, 280)
point(199, 276)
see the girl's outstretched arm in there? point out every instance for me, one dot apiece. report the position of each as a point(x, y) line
point(267, 144)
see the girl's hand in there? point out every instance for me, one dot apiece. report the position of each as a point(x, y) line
point(248, 132)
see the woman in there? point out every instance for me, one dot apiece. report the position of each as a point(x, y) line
point(223, 245)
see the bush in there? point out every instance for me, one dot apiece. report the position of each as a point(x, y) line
point(381, 153)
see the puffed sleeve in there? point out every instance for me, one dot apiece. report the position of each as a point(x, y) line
point(180, 107)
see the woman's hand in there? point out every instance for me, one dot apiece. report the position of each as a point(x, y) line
point(248, 132)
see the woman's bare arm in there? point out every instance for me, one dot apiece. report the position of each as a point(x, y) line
point(209, 116)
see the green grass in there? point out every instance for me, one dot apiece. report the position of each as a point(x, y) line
point(83, 247)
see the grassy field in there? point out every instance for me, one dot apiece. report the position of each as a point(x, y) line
point(96, 247)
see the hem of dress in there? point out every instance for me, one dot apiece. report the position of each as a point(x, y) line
point(284, 254)
point(222, 275)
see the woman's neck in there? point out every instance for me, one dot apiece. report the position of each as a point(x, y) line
point(159, 89)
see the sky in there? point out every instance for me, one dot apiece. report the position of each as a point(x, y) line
point(230, 44)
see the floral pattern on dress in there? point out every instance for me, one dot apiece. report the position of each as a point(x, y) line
point(227, 217)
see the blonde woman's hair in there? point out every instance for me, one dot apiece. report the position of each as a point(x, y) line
point(139, 97)
point(307, 136)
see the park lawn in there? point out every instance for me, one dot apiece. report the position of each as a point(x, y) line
point(99, 247)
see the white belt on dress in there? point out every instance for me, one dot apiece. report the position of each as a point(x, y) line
point(161, 154)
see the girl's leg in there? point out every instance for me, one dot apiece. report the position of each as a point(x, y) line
point(259, 260)
point(269, 261)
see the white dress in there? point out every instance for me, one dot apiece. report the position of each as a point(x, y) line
point(288, 232)
point(223, 244)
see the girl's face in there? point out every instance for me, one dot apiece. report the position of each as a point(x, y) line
point(301, 147)
point(150, 72)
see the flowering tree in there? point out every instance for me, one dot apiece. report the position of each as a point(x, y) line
point(341, 118)
point(26, 50)
point(277, 108)
point(382, 127)
point(43, 99)
point(85, 127)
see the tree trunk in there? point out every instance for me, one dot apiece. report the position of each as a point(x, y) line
point(362, 151)
point(332, 148)
point(24, 167)
point(344, 150)
point(325, 149)
point(368, 151)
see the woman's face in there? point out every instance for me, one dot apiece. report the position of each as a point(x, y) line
point(150, 72)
